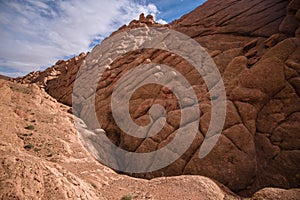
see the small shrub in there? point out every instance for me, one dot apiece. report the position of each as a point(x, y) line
point(51, 154)
point(30, 127)
point(127, 197)
point(26, 134)
point(94, 185)
point(28, 146)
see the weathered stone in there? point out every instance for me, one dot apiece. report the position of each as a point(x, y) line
point(259, 145)
point(250, 45)
point(289, 25)
point(267, 76)
point(57, 80)
point(276, 194)
point(273, 40)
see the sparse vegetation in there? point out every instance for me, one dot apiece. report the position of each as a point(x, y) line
point(26, 134)
point(20, 89)
point(50, 154)
point(28, 146)
point(94, 185)
point(127, 197)
point(30, 127)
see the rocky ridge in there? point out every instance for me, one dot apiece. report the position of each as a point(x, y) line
point(57, 80)
point(255, 46)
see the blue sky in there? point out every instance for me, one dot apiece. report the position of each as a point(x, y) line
point(35, 34)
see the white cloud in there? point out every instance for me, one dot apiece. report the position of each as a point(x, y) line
point(161, 21)
point(37, 33)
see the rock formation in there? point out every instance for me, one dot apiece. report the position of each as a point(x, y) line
point(255, 45)
point(4, 77)
point(41, 157)
point(58, 79)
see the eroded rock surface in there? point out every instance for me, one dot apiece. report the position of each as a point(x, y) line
point(41, 157)
point(258, 60)
point(57, 80)
point(255, 45)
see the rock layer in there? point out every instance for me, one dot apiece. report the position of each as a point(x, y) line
point(255, 45)
point(49, 162)
point(57, 80)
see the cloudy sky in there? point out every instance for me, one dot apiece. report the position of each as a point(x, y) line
point(35, 34)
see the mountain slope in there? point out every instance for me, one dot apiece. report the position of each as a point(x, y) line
point(255, 45)
point(42, 157)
